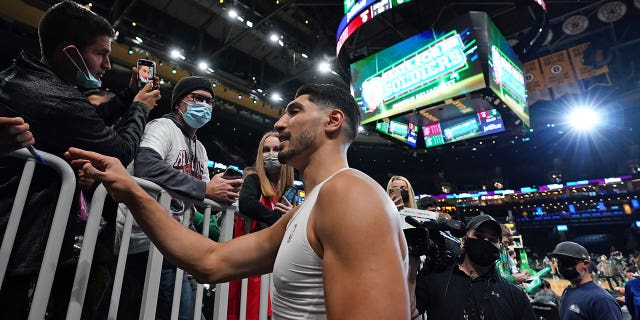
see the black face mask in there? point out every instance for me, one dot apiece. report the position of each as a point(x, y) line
point(405, 195)
point(481, 252)
point(569, 272)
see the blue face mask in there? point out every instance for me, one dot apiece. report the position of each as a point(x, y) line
point(197, 115)
point(84, 79)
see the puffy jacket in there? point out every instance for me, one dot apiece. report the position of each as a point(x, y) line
point(59, 117)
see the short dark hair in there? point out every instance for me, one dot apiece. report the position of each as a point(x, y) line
point(70, 22)
point(330, 96)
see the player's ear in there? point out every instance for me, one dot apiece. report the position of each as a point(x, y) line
point(335, 121)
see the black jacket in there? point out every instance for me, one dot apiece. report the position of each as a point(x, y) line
point(59, 117)
point(249, 202)
point(451, 294)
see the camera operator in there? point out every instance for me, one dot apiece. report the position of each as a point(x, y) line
point(473, 282)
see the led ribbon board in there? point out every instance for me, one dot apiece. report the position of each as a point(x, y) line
point(357, 14)
point(446, 66)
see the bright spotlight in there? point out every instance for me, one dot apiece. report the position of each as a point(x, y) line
point(274, 37)
point(175, 54)
point(203, 66)
point(233, 14)
point(324, 67)
point(584, 118)
point(276, 97)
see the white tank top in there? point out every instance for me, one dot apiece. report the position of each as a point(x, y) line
point(297, 272)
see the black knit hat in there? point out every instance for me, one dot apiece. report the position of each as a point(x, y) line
point(188, 85)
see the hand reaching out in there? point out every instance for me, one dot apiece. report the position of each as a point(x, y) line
point(108, 170)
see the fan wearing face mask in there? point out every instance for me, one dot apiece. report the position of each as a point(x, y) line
point(261, 200)
point(583, 299)
point(472, 289)
point(172, 156)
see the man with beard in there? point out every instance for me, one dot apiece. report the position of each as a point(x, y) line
point(583, 299)
point(346, 231)
point(472, 289)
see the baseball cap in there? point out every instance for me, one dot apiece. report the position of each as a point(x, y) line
point(476, 221)
point(570, 249)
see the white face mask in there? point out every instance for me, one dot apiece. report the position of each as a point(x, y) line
point(84, 78)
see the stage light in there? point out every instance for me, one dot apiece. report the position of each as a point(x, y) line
point(175, 54)
point(274, 37)
point(324, 67)
point(276, 97)
point(233, 13)
point(130, 52)
point(203, 66)
point(174, 70)
point(583, 118)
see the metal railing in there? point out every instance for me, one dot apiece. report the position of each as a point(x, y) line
point(83, 270)
point(56, 233)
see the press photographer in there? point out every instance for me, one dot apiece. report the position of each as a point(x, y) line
point(473, 282)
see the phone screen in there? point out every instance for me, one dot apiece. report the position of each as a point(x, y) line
point(290, 194)
point(146, 72)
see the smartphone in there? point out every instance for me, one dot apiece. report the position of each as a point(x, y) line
point(396, 191)
point(232, 173)
point(146, 72)
point(289, 194)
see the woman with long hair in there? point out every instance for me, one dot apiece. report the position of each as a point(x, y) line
point(260, 200)
point(404, 197)
point(401, 192)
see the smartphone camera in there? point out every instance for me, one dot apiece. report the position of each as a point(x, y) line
point(146, 72)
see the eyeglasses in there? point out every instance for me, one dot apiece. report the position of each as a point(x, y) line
point(200, 98)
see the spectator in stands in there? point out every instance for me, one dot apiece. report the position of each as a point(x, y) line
point(75, 46)
point(507, 265)
point(260, 200)
point(14, 134)
point(97, 96)
point(608, 271)
point(324, 264)
point(473, 289)
point(546, 295)
point(406, 197)
point(583, 299)
point(401, 192)
point(172, 156)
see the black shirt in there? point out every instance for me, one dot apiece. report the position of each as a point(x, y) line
point(452, 295)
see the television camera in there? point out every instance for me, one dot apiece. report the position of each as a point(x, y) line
point(434, 237)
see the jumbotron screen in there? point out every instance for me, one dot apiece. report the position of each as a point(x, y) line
point(422, 70)
point(480, 124)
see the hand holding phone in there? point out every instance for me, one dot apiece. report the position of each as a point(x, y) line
point(231, 174)
point(146, 72)
point(397, 192)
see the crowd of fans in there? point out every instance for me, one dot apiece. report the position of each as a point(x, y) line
point(486, 275)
